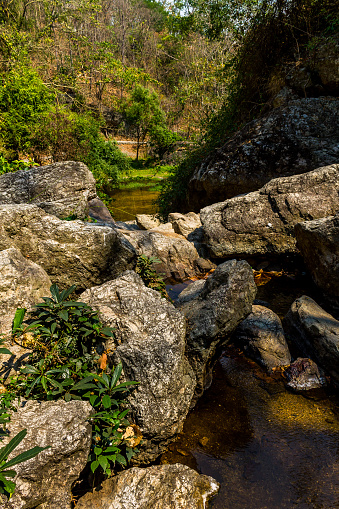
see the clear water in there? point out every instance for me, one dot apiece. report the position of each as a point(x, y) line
point(268, 448)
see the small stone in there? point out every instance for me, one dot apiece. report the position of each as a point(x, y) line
point(203, 441)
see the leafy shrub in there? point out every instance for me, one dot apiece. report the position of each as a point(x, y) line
point(12, 166)
point(149, 276)
point(23, 99)
point(7, 487)
point(68, 361)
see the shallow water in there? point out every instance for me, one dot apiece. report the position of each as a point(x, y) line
point(269, 448)
point(127, 203)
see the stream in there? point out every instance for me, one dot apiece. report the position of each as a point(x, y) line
point(127, 203)
point(269, 448)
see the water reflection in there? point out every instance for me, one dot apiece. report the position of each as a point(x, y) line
point(269, 449)
point(127, 203)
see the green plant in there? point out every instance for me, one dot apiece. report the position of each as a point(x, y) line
point(7, 487)
point(65, 337)
point(12, 166)
point(150, 277)
point(109, 431)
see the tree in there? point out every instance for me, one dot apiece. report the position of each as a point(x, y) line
point(142, 113)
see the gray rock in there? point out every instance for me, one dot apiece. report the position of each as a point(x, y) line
point(179, 258)
point(262, 337)
point(263, 222)
point(71, 252)
point(97, 210)
point(23, 283)
point(147, 221)
point(47, 478)
point(184, 224)
point(150, 343)
point(158, 487)
point(61, 189)
point(213, 312)
point(304, 375)
point(293, 139)
point(318, 242)
point(316, 334)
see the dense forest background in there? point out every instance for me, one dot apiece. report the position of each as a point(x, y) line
point(76, 73)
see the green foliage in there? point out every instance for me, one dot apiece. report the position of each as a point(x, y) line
point(76, 136)
point(12, 166)
point(144, 116)
point(66, 337)
point(7, 487)
point(23, 98)
point(149, 276)
point(162, 139)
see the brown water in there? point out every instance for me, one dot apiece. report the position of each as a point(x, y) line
point(127, 203)
point(268, 448)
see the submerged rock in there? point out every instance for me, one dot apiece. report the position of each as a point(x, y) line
point(158, 487)
point(318, 242)
point(150, 343)
point(262, 337)
point(293, 139)
point(46, 480)
point(263, 222)
point(304, 375)
point(213, 310)
point(61, 189)
point(71, 252)
point(23, 283)
point(316, 334)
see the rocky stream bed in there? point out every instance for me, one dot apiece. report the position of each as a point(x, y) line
point(266, 429)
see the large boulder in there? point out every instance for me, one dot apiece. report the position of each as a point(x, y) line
point(318, 242)
point(23, 283)
point(263, 222)
point(71, 252)
point(289, 140)
point(158, 487)
point(46, 480)
point(179, 258)
point(150, 343)
point(213, 309)
point(316, 334)
point(262, 337)
point(61, 189)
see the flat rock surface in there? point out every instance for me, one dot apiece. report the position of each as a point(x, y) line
point(293, 139)
point(263, 222)
point(158, 487)
point(61, 188)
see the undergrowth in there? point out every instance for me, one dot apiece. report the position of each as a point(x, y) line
point(68, 360)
